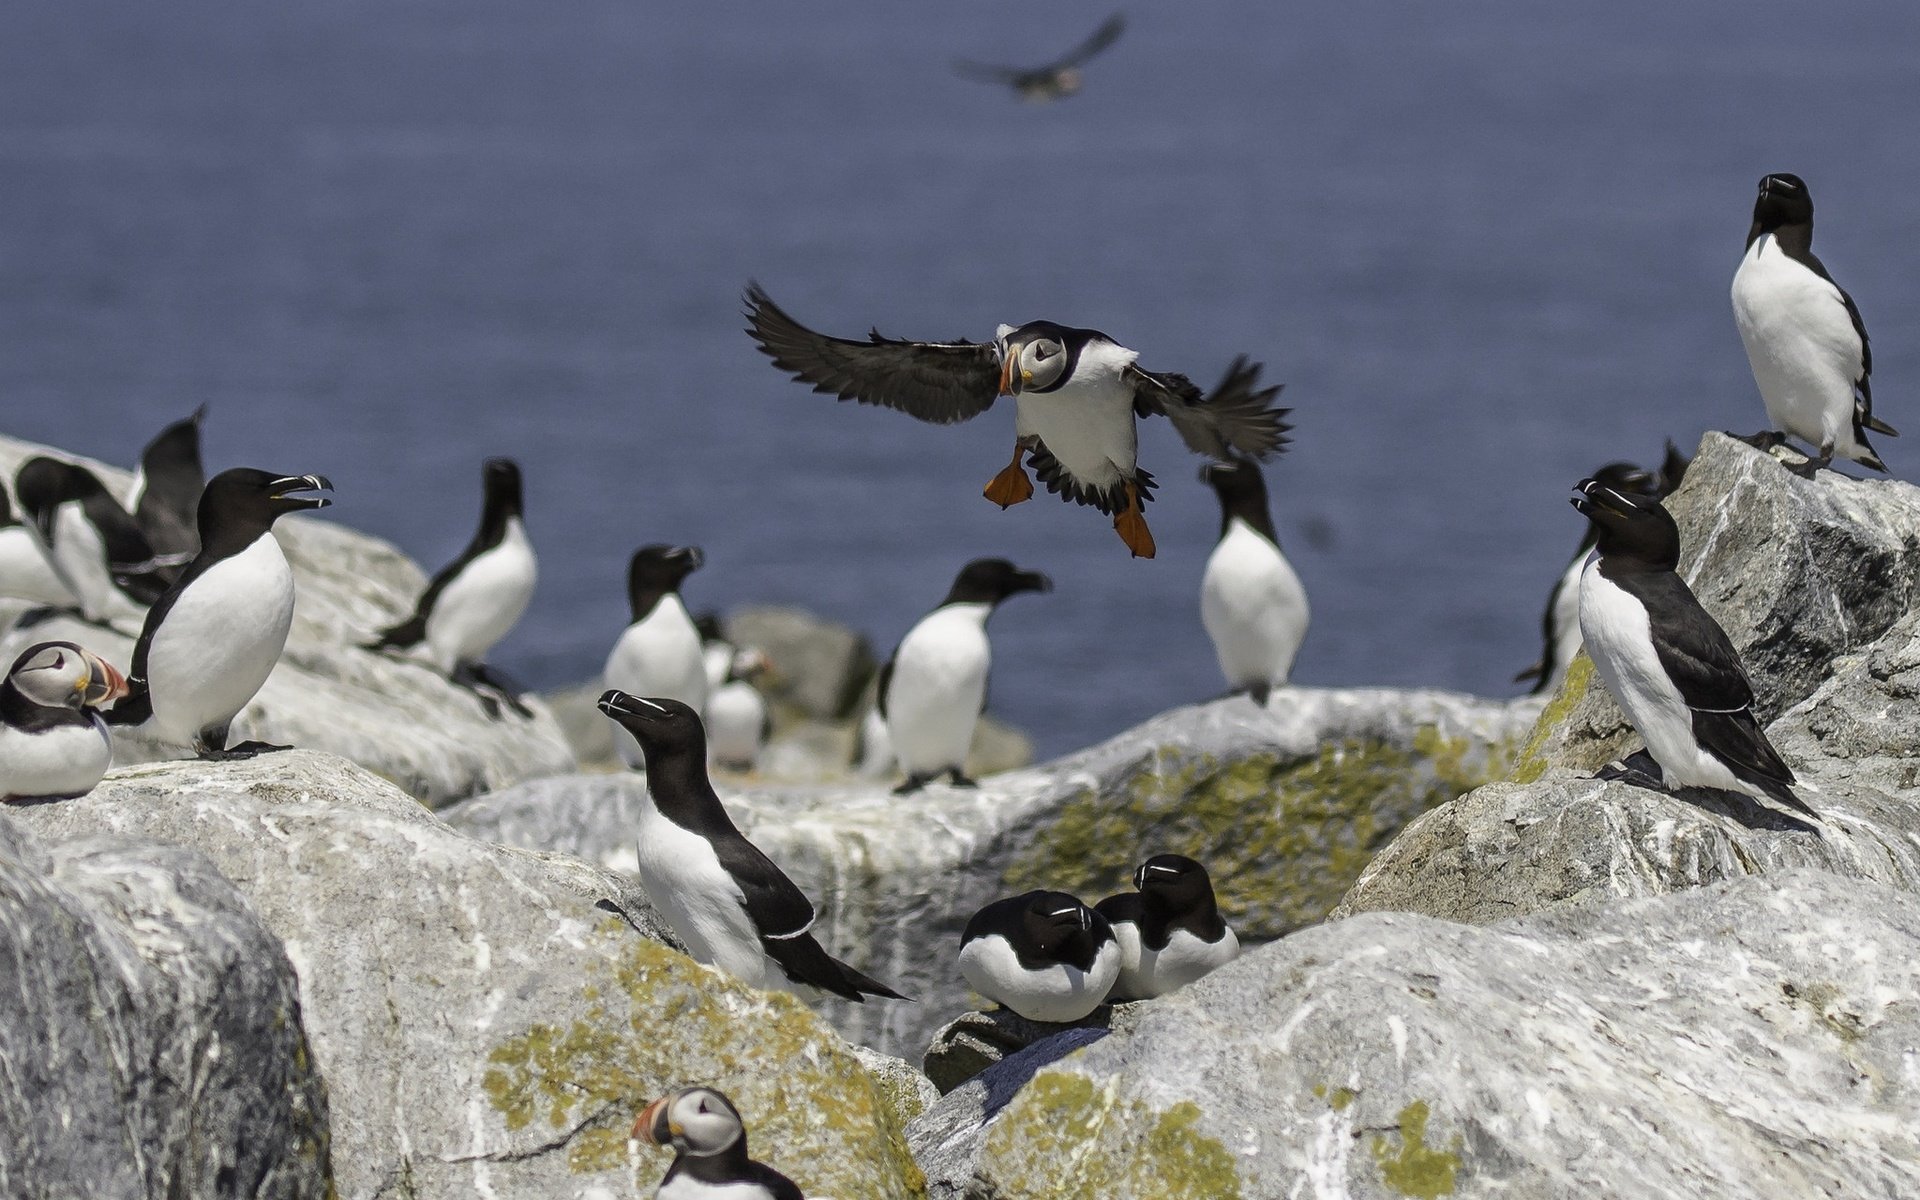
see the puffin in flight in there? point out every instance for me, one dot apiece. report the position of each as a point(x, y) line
point(1076, 393)
point(1056, 80)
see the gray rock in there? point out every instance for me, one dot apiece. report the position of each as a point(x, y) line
point(398, 718)
point(820, 666)
point(489, 1021)
point(153, 1044)
point(1752, 1038)
point(1285, 805)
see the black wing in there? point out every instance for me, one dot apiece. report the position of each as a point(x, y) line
point(782, 915)
point(941, 382)
point(988, 73)
point(172, 479)
point(1238, 415)
point(880, 691)
point(1108, 33)
point(778, 1186)
point(1863, 408)
point(413, 630)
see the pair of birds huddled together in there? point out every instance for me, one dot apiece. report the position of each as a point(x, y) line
point(206, 644)
point(1047, 956)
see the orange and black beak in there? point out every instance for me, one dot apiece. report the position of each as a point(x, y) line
point(1009, 375)
point(652, 1125)
point(103, 684)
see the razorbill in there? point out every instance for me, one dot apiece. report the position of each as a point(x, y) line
point(726, 901)
point(1055, 80)
point(934, 687)
point(1044, 955)
point(92, 543)
point(738, 719)
point(1169, 929)
point(25, 572)
point(1076, 395)
point(710, 1144)
point(165, 499)
point(212, 640)
point(52, 741)
point(1251, 602)
point(473, 601)
point(1560, 623)
point(659, 654)
point(1666, 661)
point(1804, 337)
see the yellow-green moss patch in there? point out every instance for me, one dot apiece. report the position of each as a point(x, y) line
point(1337, 1098)
point(652, 1021)
point(1282, 838)
point(1414, 1168)
point(1532, 761)
point(1064, 1138)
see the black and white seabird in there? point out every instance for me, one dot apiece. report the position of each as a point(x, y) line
point(1666, 661)
point(934, 687)
point(728, 903)
point(1045, 955)
point(1055, 80)
point(1804, 337)
point(660, 653)
point(53, 743)
point(1169, 928)
point(25, 571)
point(92, 543)
point(710, 1140)
point(1076, 395)
point(1560, 623)
point(473, 601)
point(209, 644)
point(738, 719)
point(1251, 602)
point(165, 500)
point(715, 650)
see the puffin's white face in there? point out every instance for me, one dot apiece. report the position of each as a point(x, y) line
point(62, 675)
point(1032, 364)
point(695, 1120)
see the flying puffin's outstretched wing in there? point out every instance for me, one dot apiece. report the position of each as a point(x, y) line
point(941, 382)
point(1238, 415)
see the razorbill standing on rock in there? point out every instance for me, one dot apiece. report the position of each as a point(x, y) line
point(1055, 80)
point(165, 499)
point(934, 687)
point(1076, 395)
point(1045, 955)
point(91, 542)
point(1169, 929)
point(1560, 624)
point(738, 720)
point(212, 640)
point(710, 1140)
point(727, 902)
point(25, 572)
point(1803, 333)
point(1251, 602)
point(659, 654)
point(1666, 661)
point(52, 740)
point(473, 601)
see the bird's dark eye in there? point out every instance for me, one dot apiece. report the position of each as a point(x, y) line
point(1042, 353)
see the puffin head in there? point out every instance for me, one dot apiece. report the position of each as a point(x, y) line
point(1629, 524)
point(63, 675)
point(693, 1120)
point(1783, 200)
point(1033, 358)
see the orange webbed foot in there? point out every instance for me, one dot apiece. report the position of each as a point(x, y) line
point(1131, 525)
point(1010, 486)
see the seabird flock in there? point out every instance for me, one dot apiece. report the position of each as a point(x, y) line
point(192, 567)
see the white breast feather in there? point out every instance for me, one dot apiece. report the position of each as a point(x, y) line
point(220, 640)
point(480, 605)
point(66, 761)
point(1057, 992)
point(1088, 422)
point(657, 656)
point(736, 714)
point(939, 682)
point(80, 558)
point(685, 1187)
point(1182, 960)
point(1253, 607)
point(1801, 345)
point(687, 885)
point(25, 573)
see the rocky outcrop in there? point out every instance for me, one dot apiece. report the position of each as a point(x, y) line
point(1284, 804)
point(489, 1021)
point(398, 718)
point(1816, 583)
point(1752, 1038)
point(153, 1044)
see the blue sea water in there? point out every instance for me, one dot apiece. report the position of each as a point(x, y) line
point(1486, 245)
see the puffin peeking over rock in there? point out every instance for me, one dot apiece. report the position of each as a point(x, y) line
point(53, 743)
point(710, 1142)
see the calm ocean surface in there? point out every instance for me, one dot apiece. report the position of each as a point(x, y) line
point(1487, 246)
